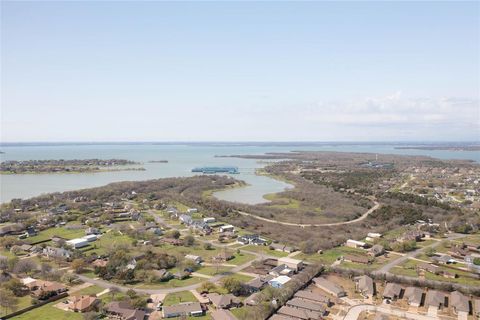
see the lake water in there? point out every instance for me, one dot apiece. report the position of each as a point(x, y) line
point(181, 159)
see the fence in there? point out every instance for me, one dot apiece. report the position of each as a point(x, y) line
point(41, 303)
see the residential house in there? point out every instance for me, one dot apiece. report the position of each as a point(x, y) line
point(281, 270)
point(429, 268)
point(209, 220)
point(44, 289)
point(100, 263)
point(227, 228)
point(392, 291)
point(92, 230)
point(224, 301)
point(414, 296)
point(222, 314)
point(282, 247)
point(435, 299)
point(77, 243)
point(299, 303)
point(330, 287)
point(357, 259)
point(52, 252)
point(183, 309)
point(83, 303)
point(460, 303)
point(254, 239)
point(194, 258)
point(256, 284)
point(312, 296)
point(192, 210)
point(185, 219)
point(223, 256)
point(355, 244)
point(412, 235)
point(294, 264)
point(377, 250)
point(476, 308)
point(294, 313)
point(123, 310)
point(443, 259)
point(279, 281)
point(365, 285)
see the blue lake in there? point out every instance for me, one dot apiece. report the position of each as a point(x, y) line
point(181, 159)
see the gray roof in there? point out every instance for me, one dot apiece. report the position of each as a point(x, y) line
point(299, 313)
point(435, 298)
point(222, 314)
point(365, 285)
point(392, 290)
point(308, 295)
point(328, 285)
point(306, 304)
point(413, 295)
point(459, 301)
point(183, 308)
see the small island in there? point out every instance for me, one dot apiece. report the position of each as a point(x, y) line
point(158, 161)
point(66, 166)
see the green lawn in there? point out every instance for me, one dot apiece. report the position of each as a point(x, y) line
point(329, 256)
point(265, 250)
point(49, 312)
point(211, 271)
point(23, 302)
point(241, 277)
point(174, 283)
point(409, 269)
point(61, 232)
point(179, 297)
point(107, 241)
point(92, 290)
point(241, 258)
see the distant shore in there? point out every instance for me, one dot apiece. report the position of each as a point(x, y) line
point(67, 166)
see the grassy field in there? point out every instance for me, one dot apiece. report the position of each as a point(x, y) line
point(409, 269)
point(211, 271)
point(49, 312)
point(179, 297)
point(106, 242)
point(281, 202)
point(174, 283)
point(60, 232)
point(92, 290)
point(265, 250)
point(23, 302)
point(329, 256)
point(241, 258)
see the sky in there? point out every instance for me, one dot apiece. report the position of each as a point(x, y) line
point(240, 71)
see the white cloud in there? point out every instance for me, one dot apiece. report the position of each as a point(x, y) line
point(395, 110)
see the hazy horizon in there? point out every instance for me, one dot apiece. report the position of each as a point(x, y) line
point(239, 71)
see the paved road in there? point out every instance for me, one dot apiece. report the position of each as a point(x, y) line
point(386, 267)
point(354, 312)
point(362, 217)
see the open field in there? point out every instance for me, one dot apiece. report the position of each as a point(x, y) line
point(179, 297)
point(265, 250)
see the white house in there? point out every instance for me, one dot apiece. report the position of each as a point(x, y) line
point(194, 258)
point(279, 281)
point(227, 228)
point(355, 244)
point(209, 220)
point(77, 243)
point(90, 237)
point(192, 210)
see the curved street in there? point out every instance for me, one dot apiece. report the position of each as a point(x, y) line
point(332, 224)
